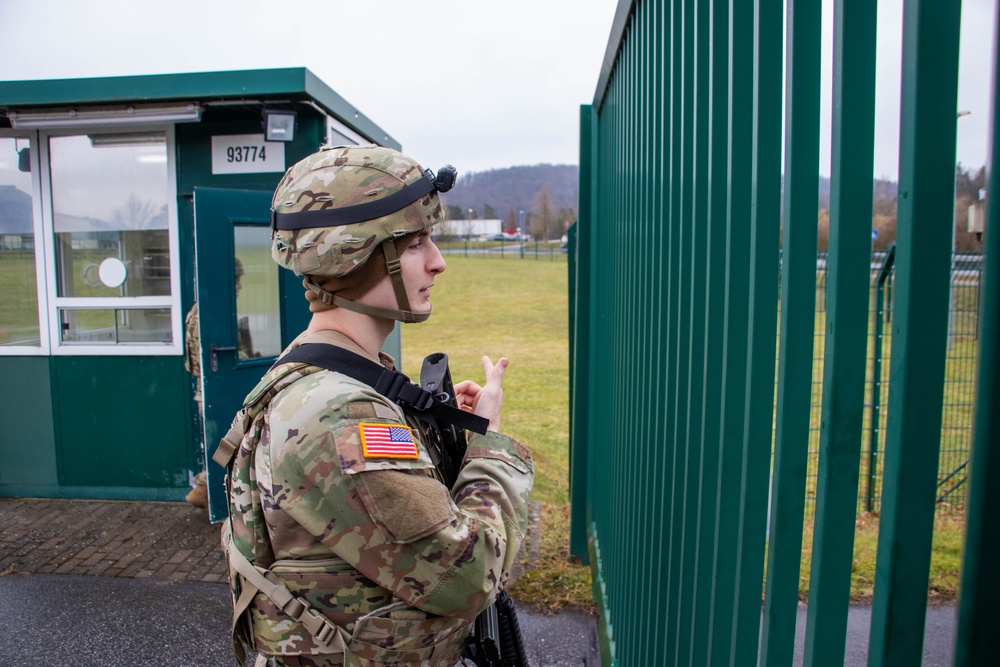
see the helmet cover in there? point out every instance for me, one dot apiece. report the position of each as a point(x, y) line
point(340, 177)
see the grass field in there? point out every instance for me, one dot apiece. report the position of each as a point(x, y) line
point(519, 309)
point(19, 298)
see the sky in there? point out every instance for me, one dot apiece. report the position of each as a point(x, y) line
point(480, 85)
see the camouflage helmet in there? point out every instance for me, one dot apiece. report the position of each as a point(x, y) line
point(332, 210)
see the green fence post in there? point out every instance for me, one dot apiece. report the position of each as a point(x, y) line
point(849, 267)
point(714, 338)
point(798, 309)
point(920, 330)
point(874, 427)
point(581, 304)
point(738, 220)
point(762, 327)
point(698, 33)
point(978, 641)
point(673, 324)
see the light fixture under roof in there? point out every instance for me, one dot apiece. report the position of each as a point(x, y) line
point(118, 139)
point(82, 116)
point(279, 125)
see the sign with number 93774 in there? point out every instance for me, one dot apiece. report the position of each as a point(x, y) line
point(246, 154)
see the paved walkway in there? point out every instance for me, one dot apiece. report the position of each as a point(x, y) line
point(163, 541)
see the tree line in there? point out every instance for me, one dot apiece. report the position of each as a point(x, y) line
point(968, 185)
point(541, 200)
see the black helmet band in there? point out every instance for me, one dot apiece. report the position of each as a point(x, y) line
point(349, 215)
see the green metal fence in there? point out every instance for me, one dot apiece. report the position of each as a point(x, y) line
point(676, 321)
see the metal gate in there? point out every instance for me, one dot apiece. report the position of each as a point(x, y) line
point(678, 407)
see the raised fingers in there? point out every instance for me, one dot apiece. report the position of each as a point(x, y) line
point(495, 373)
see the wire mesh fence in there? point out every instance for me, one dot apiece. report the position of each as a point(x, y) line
point(503, 249)
point(957, 408)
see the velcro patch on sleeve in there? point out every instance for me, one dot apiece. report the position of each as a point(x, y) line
point(387, 441)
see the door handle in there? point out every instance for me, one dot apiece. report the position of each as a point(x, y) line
point(215, 357)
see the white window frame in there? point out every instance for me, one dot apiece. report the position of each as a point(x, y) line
point(40, 240)
point(334, 125)
point(54, 302)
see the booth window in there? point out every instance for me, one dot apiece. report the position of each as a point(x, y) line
point(19, 322)
point(258, 304)
point(111, 238)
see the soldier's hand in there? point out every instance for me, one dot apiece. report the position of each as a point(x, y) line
point(487, 402)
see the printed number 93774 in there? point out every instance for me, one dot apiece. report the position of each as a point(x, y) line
point(245, 153)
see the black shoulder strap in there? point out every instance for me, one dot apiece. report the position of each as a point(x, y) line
point(392, 384)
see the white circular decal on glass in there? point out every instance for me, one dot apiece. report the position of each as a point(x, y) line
point(112, 272)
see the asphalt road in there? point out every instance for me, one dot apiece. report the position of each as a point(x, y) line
point(82, 621)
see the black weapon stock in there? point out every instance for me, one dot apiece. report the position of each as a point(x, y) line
point(435, 377)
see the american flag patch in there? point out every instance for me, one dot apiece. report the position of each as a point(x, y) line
point(387, 441)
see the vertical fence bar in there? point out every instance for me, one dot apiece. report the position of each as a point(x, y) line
point(612, 523)
point(617, 573)
point(610, 518)
point(642, 290)
point(876, 394)
point(638, 396)
point(672, 128)
point(581, 332)
point(849, 266)
point(700, 119)
point(978, 613)
point(920, 330)
point(666, 403)
point(714, 343)
point(739, 183)
point(653, 253)
point(680, 231)
point(798, 308)
point(762, 327)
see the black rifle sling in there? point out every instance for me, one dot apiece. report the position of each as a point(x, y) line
point(392, 384)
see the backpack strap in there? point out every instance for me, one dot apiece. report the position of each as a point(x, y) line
point(390, 383)
point(256, 402)
point(262, 580)
point(226, 450)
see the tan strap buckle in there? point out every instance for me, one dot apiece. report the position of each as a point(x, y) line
point(318, 625)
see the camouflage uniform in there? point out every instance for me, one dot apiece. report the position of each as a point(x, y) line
point(363, 536)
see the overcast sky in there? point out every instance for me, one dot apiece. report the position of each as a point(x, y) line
point(478, 84)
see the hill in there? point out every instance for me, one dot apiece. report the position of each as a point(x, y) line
point(512, 188)
point(882, 190)
point(515, 188)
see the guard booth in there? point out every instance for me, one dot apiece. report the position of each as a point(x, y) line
point(123, 202)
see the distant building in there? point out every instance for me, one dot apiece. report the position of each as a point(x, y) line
point(471, 229)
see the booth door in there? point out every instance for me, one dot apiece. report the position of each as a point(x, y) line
point(248, 311)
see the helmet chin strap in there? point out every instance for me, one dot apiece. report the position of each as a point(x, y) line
point(403, 314)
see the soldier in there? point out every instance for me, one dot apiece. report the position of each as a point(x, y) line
point(345, 545)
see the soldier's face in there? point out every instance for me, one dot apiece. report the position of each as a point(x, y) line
point(419, 264)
